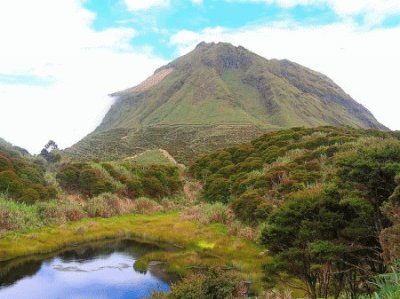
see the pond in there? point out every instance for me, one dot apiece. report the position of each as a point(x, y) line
point(95, 270)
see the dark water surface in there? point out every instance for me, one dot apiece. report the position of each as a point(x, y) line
point(97, 270)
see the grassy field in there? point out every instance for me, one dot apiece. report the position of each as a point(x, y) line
point(199, 245)
point(150, 157)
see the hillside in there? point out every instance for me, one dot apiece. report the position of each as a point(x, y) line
point(215, 96)
point(326, 199)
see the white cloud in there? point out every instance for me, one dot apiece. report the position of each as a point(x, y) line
point(364, 63)
point(374, 10)
point(53, 40)
point(145, 4)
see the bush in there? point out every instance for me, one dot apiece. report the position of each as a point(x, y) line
point(10, 183)
point(153, 187)
point(56, 212)
point(68, 176)
point(135, 187)
point(17, 216)
point(107, 205)
point(146, 206)
point(30, 196)
point(217, 190)
point(125, 179)
point(251, 208)
point(214, 284)
point(5, 163)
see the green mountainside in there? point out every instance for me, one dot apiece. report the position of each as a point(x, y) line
point(215, 96)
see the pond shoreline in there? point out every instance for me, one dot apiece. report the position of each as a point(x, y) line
point(94, 268)
point(164, 230)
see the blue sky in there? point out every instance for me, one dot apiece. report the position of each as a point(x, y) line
point(59, 60)
point(155, 25)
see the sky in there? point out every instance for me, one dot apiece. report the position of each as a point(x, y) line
point(60, 59)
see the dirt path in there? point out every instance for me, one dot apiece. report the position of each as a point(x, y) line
point(170, 158)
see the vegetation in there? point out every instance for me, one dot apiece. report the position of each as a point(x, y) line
point(123, 178)
point(22, 178)
point(324, 195)
point(151, 157)
point(217, 96)
point(323, 203)
point(214, 284)
point(240, 256)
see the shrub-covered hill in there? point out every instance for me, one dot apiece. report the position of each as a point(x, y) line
point(327, 198)
point(22, 177)
point(277, 164)
point(124, 178)
point(29, 179)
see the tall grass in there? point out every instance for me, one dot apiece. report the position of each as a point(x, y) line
point(388, 284)
point(17, 216)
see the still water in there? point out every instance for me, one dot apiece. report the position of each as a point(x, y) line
point(98, 270)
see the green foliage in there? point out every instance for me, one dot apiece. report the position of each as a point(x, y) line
point(251, 208)
point(214, 284)
point(125, 178)
point(388, 284)
point(17, 216)
point(337, 231)
point(217, 190)
point(279, 163)
point(23, 178)
point(215, 97)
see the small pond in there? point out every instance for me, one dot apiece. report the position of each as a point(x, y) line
point(96, 270)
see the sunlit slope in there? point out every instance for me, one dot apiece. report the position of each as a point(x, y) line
point(215, 96)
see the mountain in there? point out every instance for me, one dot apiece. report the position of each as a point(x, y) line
point(12, 149)
point(215, 96)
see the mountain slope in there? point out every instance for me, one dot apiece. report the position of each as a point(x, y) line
point(218, 95)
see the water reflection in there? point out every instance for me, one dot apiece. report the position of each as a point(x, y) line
point(98, 270)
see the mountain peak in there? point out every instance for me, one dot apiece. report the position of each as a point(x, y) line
point(215, 96)
point(222, 56)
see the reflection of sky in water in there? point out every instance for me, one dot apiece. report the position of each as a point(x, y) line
point(110, 276)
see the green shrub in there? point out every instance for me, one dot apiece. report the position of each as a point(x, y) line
point(214, 284)
point(135, 187)
point(17, 216)
point(10, 183)
point(68, 175)
point(30, 196)
point(251, 208)
point(217, 190)
point(5, 163)
point(123, 178)
point(153, 187)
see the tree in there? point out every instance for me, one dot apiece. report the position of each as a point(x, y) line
point(302, 236)
point(50, 152)
point(329, 238)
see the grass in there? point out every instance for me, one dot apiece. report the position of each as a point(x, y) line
point(200, 246)
point(208, 88)
point(151, 157)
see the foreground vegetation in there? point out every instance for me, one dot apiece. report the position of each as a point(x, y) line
point(200, 246)
point(326, 196)
point(323, 203)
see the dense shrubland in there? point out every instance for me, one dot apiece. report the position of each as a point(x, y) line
point(124, 178)
point(324, 202)
point(324, 198)
point(35, 191)
point(23, 179)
